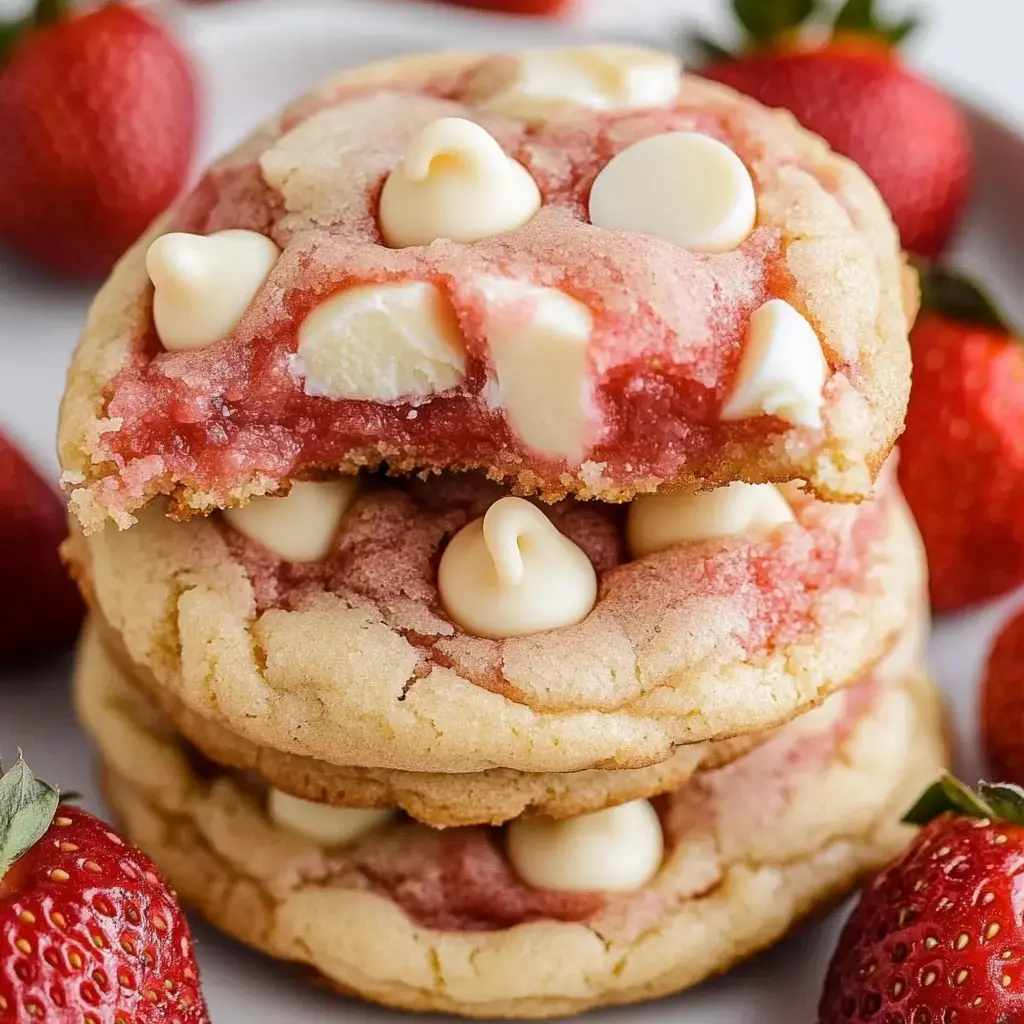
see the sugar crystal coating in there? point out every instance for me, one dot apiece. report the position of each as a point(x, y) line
point(212, 427)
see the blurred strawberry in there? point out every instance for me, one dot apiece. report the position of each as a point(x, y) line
point(936, 937)
point(1002, 703)
point(89, 930)
point(40, 610)
point(851, 87)
point(97, 130)
point(962, 455)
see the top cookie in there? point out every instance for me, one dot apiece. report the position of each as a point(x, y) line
point(575, 269)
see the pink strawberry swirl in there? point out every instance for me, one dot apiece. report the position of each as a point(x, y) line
point(214, 425)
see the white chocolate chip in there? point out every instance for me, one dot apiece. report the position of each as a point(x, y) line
point(535, 84)
point(455, 182)
point(203, 284)
point(782, 371)
point(682, 186)
point(539, 339)
point(324, 824)
point(619, 849)
point(657, 522)
point(381, 342)
point(512, 573)
point(300, 526)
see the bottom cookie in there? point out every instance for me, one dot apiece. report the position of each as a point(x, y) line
point(439, 920)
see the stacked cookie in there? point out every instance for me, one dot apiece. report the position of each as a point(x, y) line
point(502, 599)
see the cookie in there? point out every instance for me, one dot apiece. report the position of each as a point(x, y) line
point(410, 917)
point(441, 800)
point(352, 659)
point(483, 262)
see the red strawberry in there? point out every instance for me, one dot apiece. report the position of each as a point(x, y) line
point(938, 937)
point(97, 130)
point(962, 455)
point(40, 610)
point(852, 89)
point(89, 931)
point(1002, 703)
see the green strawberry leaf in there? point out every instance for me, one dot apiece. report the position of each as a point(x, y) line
point(27, 807)
point(763, 20)
point(49, 11)
point(861, 17)
point(903, 30)
point(856, 16)
point(958, 297)
point(10, 33)
point(702, 49)
point(43, 13)
point(948, 794)
point(1005, 799)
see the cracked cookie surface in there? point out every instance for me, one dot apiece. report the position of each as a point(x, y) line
point(350, 662)
point(751, 849)
point(450, 799)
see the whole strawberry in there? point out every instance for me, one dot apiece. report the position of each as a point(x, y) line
point(40, 609)
point(97, 130)
point(1002, 703)
point(938, 937)
point(89, 931)
point(962, 454)
point(851, 88)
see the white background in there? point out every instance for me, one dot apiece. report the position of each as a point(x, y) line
point(254, 53)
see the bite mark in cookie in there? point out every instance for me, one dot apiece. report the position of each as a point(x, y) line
point(653, 334)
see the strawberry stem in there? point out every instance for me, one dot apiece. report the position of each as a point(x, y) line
point(45, 12)
point(706, 50)
point(997, 802)
point(861, 17)
point(10, 33)
point(49, 11)
point(958, 297)
point(764, 20)
point(27, 807)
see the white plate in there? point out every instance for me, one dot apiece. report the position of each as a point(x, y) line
point(250, 64)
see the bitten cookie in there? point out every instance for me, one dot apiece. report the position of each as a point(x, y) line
point(541, 918)
point(625, 633)
point(577, 269)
